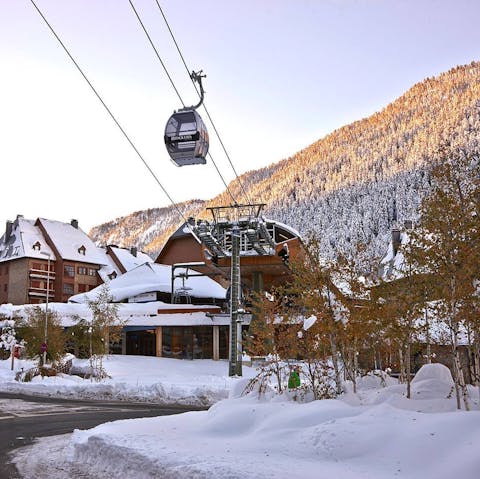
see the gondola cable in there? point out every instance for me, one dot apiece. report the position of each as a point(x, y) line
point(204, 106)
point(182, 216)
point(173, 84)
point(156, 52)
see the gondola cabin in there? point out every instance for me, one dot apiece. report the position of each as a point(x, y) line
point(186, 138)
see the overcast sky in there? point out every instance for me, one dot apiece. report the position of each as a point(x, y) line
point(280, 75)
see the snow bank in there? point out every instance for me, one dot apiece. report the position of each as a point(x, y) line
point(434, 371)
point(249, 438)
point(135, 378)
point(379, 435)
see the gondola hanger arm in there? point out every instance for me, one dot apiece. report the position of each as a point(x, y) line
point(197, 77)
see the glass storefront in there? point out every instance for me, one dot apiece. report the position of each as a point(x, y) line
point(180, 342)
point(141, 342)
point(224, 338)
point(187, 342)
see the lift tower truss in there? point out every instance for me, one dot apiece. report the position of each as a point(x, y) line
point(236, 231)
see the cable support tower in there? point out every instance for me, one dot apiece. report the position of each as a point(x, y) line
point(176, 90)
point(204, 106)
point(235, 231)
point(112, 116)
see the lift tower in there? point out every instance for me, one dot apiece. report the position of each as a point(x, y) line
point(235, 231)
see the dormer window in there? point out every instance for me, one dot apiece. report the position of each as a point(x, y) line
point(82, 250)
point(36, 246)
point(112, 275)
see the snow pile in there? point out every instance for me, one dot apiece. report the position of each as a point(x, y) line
point(6, 310)
point(381, 436)
point(246, 437)
point(432, 381)
point(134, 378)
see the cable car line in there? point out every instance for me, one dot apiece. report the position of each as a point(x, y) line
point(163, 65)
point(204, 106)
point(182, 216)
point(156, 52)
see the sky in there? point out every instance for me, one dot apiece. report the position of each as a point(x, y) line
point(280, 75)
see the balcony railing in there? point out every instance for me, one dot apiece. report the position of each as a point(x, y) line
point(41, 292)
point(41, 274)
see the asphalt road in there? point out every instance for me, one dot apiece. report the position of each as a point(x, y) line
point(24, 418)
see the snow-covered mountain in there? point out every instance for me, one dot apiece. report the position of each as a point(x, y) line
point(355, 184)
point(147, 230)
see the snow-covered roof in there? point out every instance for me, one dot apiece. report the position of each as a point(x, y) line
point(109, 267)
point(124, 256)
point(288, 228)
point(72, 242)
point(128, 260)
point(25, 241)
point(138, 314)
point(153, 277)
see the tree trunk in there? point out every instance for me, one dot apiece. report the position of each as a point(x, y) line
point(476, 356)
point(338, 379)
point(107, 341)
point(427, 326)
point(455, 368)
point(461, 380)
point(355, 369)
point(401, 362)
point(407, 368)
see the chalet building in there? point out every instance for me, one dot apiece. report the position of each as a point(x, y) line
point(38, 253)
point(29, 248)
point(174, 307)
point(177, 307)
point(194, 330)
point(391, 271)
point(161, 321)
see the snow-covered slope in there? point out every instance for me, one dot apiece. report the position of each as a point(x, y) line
point(356, 183)
point(147, 230)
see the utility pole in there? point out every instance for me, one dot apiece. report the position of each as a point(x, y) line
point(45, 336)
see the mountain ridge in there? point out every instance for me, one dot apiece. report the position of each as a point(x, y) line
point(360, 180)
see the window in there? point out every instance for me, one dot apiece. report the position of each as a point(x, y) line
point(92, 272)
point(36, 246)
point(69, 270)
point(82, 250)
point(82, 288)
point(82, 270)
point(187, 342)
point(67, 288)
point(112, 275)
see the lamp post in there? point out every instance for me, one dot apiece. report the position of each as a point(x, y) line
point(44, 253)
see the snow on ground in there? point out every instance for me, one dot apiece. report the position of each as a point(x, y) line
point(134, 378)
point(375, 434)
